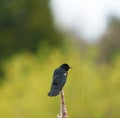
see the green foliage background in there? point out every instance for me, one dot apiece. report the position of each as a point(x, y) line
point(90, 92)
point(30, 50)
point(26, 25)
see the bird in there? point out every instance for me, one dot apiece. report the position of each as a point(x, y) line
point(59, 79)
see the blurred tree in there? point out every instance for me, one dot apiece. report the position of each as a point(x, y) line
point(26, 25)
point(109, 46)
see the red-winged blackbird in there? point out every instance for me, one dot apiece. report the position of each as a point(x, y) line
point(59, 79)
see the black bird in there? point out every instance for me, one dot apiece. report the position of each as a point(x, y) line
point(59, 79)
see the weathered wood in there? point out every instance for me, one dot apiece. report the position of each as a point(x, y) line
point(63, 108)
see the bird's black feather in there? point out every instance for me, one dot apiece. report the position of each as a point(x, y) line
point(59, 79)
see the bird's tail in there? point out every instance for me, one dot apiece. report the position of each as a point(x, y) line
point(53, 92)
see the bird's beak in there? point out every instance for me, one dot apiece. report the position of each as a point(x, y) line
point(71, 67)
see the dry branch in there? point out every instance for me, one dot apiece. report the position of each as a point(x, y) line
point(63, 108)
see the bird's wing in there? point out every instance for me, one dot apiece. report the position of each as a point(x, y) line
point(59, 78)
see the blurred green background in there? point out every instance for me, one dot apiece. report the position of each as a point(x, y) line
point(30, 50)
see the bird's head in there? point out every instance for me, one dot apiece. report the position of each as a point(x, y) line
point(65, 67)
